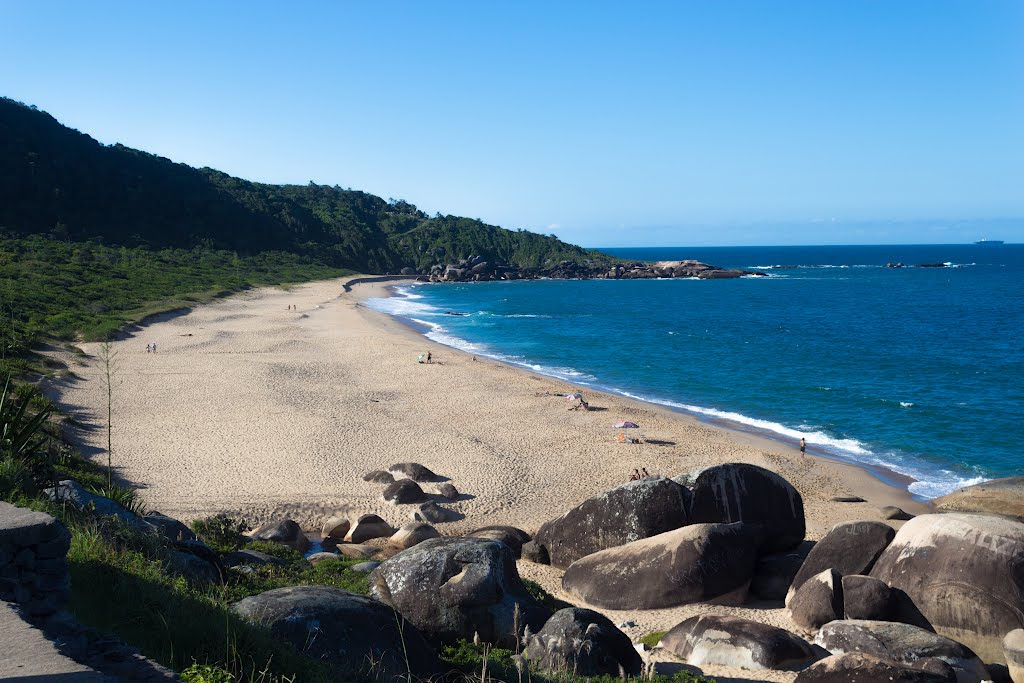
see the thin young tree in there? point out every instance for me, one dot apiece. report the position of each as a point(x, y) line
point(108, 366)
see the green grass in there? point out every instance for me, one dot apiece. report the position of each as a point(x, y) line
point(652, 639)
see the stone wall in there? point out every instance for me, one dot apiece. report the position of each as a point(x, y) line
point(33, 564)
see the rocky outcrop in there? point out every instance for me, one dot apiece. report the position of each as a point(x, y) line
point(738, 492)
point(582, 642)
point(818, 601)
point(283, 531)
point(412, 470)
point(478, 269)
point(697, 563)
point(855, 667)
point(774, 573)
point(403, 492)
point(453, 588)
point(349, 631)
point(849, 548)
point(639, 509)
point(711, 639)
point(901, 643)
point(509, 535)
point(964, 573)
point(998, 496)
point(413, 534)
point(865, 597)
point(368, 527)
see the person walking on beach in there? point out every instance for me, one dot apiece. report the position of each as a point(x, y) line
point(803, 446)
point(154, 347)
point(148, 348)
point(428, 357)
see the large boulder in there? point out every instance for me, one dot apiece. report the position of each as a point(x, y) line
point(998, 496)
point(583, 642)
point(697, 563)
point(900, 643)
point(773, 574)
point(412, 470)
point(639, 509)
point(368, 527)
point(854, 667)
point(865, 597)
point(509, 535)
point(413, 534)
point(283, 531)
point(168, 528)
point(192, 568)
point(72, 493)
point(738, 492)
point(403, 492)
point(434, 513)
point(336, 527)
point(357, 551)
point(818, 601)
point(849, 548)
point(718, 640)
point(1013, 649)
point(379, 477)
point(964, 573)
point(345, 629)
point(453, 588)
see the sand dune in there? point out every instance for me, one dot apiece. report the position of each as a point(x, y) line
point(261, 411)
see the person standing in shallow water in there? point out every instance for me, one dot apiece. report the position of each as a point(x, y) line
point(803, 446)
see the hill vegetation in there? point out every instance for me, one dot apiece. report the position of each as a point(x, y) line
point(65, 184)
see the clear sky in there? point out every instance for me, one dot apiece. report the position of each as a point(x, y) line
point(608, 124)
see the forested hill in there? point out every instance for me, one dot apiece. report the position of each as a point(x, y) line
point(58, 182)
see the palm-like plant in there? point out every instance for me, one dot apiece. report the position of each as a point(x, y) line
point(22, 443)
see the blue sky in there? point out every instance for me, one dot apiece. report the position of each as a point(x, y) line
point(608, 124)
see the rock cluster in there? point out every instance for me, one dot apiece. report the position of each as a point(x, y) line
point(479, 269)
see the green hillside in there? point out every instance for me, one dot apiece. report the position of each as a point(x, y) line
point(64, 184)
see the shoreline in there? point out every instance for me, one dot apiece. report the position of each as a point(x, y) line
point(884, 475)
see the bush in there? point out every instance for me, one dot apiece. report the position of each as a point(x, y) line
point(221, 532)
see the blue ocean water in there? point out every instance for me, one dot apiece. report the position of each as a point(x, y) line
point(917, 370)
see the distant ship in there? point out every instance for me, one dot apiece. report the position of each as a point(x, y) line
point(989, 242)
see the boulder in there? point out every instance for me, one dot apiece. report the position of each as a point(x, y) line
point(855, 667)
point(368, 527)
point(283, 531)
point(818, 601)
point(639, 509)
point(711, 639)
point(193, 569)
point(71, 492)
point(534, 552)
point(413, 534)
point(453, 588)
point(865, 597)
point(403, 492)
point(379, 477)
point(849, 548)
point(901, 643)
point(349, 631)
point(447, 490)
point(412, 470)
point(738, 492)
point(774, 573)
point(1013, 650)
point(251, 557)
point(365, 567)
point(317, 558)
point(357, 551)
point(847, 499)
point(583, 642)
point(964, 573)
point(894, 513)
point(168, 528)
point(509, 535)
point(335, 527)
point(432, 512)
point(998, 496)
point(697, 563)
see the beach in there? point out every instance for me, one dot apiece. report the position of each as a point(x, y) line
point(276, 401)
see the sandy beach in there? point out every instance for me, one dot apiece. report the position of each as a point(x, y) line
point(252, 408)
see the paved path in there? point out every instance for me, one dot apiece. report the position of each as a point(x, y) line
point(27, 656)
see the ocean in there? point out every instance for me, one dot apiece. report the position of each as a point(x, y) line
point(919, 371)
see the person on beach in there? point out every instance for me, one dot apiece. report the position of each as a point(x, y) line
point(803, 446)
point(154, 347)
point(643, 473)
point(635, 476)
point(429, 357)
point(148, 348)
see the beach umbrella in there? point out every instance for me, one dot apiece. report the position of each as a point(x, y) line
point(627, 425)
point(573, 397)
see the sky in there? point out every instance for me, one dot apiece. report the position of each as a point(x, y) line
point(607, 124)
